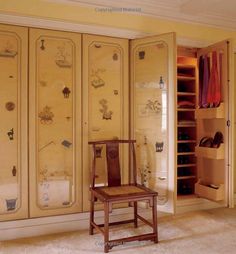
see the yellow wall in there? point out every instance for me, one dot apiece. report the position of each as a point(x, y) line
point(77, 14)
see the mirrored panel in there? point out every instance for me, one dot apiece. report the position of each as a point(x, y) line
point(10, 89)
point(150, 80)
point(55, 120)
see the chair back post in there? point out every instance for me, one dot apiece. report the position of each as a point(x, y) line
point(134, 163)
point(93, 173)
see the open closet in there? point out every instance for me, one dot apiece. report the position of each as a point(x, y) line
point(203, 123)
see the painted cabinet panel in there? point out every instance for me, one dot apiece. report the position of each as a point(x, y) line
point(152, 105)
point(105, 97)
point(13, 125)
point(55, 123)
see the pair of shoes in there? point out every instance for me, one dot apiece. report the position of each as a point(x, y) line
point(212, 142)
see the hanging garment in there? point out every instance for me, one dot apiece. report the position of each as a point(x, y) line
point(206, 70)
point(214, 93)
point(201, 71)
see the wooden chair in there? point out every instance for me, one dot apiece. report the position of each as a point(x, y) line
point(115, 193)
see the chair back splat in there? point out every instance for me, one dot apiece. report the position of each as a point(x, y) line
point(113, 164)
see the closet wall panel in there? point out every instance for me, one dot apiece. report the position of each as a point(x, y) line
point(13, 125)
point(55, 123)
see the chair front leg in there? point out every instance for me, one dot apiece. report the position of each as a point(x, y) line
point(106, 227)
point(91, 227)
point(135, 214)
point(154, 216)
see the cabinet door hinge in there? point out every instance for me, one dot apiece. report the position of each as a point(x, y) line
point(228, 123)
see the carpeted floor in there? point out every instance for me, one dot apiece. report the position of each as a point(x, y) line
point(204, 232)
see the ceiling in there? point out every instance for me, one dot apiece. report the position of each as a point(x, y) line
point(215, 13)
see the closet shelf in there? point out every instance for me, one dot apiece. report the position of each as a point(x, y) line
point(186, 109)
point(210, 113)
point(186, 125)
point(205, 191)
point(186, 165)
point(186, 153)
point(185, 78)
point(185, 66)
point(186, 94)
point(211, 153)
point(185, 177)
point(186, 141)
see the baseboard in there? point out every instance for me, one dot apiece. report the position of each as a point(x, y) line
point(58, 224)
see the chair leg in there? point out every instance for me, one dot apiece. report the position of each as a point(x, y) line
point(106, 227)
point(91, 228)
point(135, 214)
point(154, 216)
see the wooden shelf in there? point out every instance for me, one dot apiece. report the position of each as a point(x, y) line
point(186, 165)
point(186, 94)
point(209, 192)
point(211, 153)
point(211, 113)
point(186, 141)
point(186, 109)
point(185, 66)
point(186, 153)
point(186, 125)
point(185, 177)
point(185, 78)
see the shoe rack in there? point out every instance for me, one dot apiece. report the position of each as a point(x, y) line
point(186, 124)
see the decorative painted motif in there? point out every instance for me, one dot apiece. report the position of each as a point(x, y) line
point(11, 204)
point(42, 45)
point(115, 57)
point(144, 169)
point(98, 151)
point(8, 51)
point(10, 106)
point(43, 83)
point(62, 57)
point(14, 171)
point(44, 173)
point(66, 92)
point(106, 114)
point(141, 55)
point(161, 83)
point(159, 146)
point(66, 143)
point(11, 134)
point(46, 116)
point(48, 144)
point(154, 107)
point(97, 81)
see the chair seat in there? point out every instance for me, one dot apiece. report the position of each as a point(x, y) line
point(123, 192)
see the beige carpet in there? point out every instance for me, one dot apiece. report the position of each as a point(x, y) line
point(204, 232)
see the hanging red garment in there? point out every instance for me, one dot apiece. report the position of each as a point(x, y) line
point(214, 93)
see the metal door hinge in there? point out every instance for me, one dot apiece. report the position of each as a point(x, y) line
point(228, 123)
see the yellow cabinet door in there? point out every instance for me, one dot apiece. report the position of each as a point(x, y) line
point(153, 84)
point(13, 125)
point(55, 123)
point(105, 102)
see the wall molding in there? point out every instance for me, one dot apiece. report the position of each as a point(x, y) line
point(69, 26)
